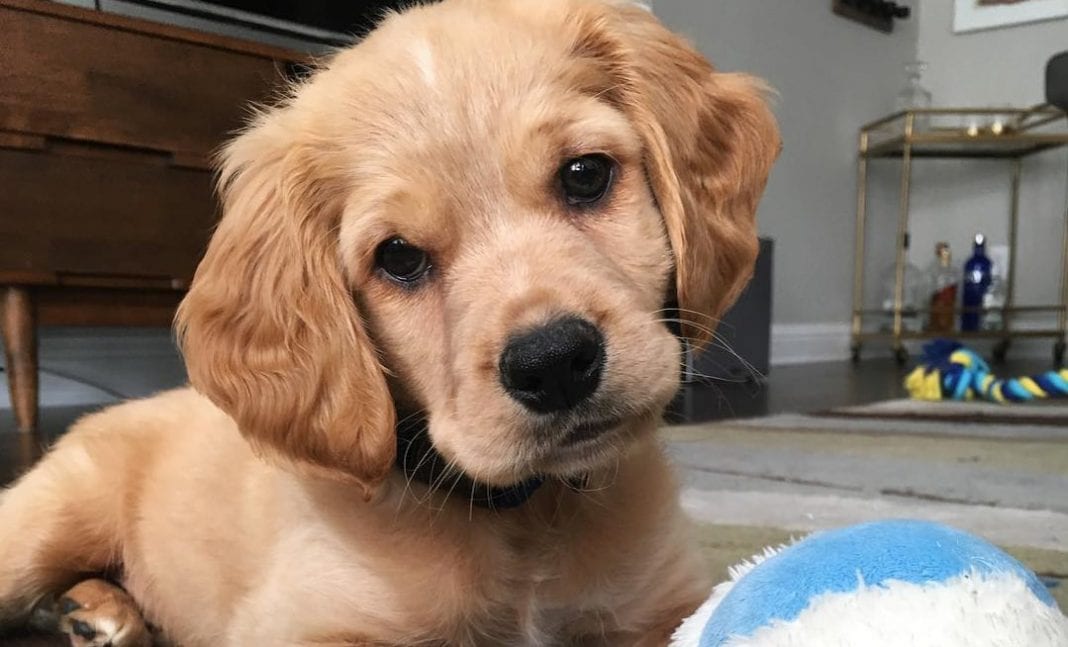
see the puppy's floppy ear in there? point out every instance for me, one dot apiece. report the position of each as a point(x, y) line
point(269, 328)
point(710, 141)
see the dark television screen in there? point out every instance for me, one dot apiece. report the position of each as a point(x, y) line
point(328, 15)
point(330, 20)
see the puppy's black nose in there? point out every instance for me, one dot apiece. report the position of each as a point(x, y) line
point(554, 367)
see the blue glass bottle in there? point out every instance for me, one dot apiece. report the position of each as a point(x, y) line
point(977, 277)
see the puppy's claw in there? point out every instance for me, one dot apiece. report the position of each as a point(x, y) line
point(83, 629)
point(68, 606)
point(96, 613)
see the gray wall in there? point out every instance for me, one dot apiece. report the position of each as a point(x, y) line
point(989, 67)
point(954, 200)
point(832, 75)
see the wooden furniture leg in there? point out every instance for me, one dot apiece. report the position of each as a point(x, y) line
point(18, 323)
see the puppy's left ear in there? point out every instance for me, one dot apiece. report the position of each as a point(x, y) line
point(270, 330)
point(710, 141)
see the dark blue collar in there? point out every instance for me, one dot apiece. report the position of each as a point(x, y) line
point(419, 460)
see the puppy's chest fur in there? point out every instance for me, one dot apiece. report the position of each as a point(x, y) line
point(565, 568)
point(518, 587)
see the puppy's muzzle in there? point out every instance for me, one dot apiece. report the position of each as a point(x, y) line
point(554, 367)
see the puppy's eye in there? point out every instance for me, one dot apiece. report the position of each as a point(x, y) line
point(401, 261)
point(586, 179)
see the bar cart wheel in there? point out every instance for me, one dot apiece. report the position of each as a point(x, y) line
point(901, 355)
point(1058, 353)
point(854, 352)
point(1001, 351)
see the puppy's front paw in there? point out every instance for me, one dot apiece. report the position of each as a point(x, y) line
point(95, 613)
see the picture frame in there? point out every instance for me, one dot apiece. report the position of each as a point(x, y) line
point(973, 15)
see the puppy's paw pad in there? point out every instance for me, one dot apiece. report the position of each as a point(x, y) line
point(96, 613)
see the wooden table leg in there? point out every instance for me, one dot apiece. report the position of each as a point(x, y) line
point(18, 323)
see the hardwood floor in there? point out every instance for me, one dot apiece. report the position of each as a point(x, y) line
point(806, 387)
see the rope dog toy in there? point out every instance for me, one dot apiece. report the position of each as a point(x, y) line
point(951, 371)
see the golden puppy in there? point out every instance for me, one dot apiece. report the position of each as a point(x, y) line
point(428, 350)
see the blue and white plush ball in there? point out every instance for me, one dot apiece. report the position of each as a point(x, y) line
point(879, 584)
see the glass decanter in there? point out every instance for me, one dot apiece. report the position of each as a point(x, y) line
point(913, 95)
point(911, 290)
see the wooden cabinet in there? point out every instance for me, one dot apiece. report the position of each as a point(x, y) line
point(107, 128)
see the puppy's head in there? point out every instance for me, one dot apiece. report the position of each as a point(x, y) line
point(478, 213)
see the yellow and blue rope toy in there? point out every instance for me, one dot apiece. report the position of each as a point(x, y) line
point(951, 371)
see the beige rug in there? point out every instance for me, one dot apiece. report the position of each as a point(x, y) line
point(998, 471)
point(1033, 421)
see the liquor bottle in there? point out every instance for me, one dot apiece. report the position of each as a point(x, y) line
point(943, 284)
point(910, 294)
point(977, 273)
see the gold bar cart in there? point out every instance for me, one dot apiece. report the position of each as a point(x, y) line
point(945, 133)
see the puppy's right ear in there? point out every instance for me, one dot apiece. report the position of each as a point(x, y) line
point(710, 141)
point(269, 328)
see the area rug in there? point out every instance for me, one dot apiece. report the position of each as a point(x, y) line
point(1037, 421)
point(998, 471)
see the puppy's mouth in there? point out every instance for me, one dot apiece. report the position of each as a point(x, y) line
point(558, 447)
point(587, 431)
point(578, 443)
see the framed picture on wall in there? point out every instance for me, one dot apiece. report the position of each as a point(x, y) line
point(971, 15)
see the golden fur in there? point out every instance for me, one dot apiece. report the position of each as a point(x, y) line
point(264, 507)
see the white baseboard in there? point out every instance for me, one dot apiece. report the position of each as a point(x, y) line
point(89, 344)
point(803, 343)
point(103, 344)
point(87, 367)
